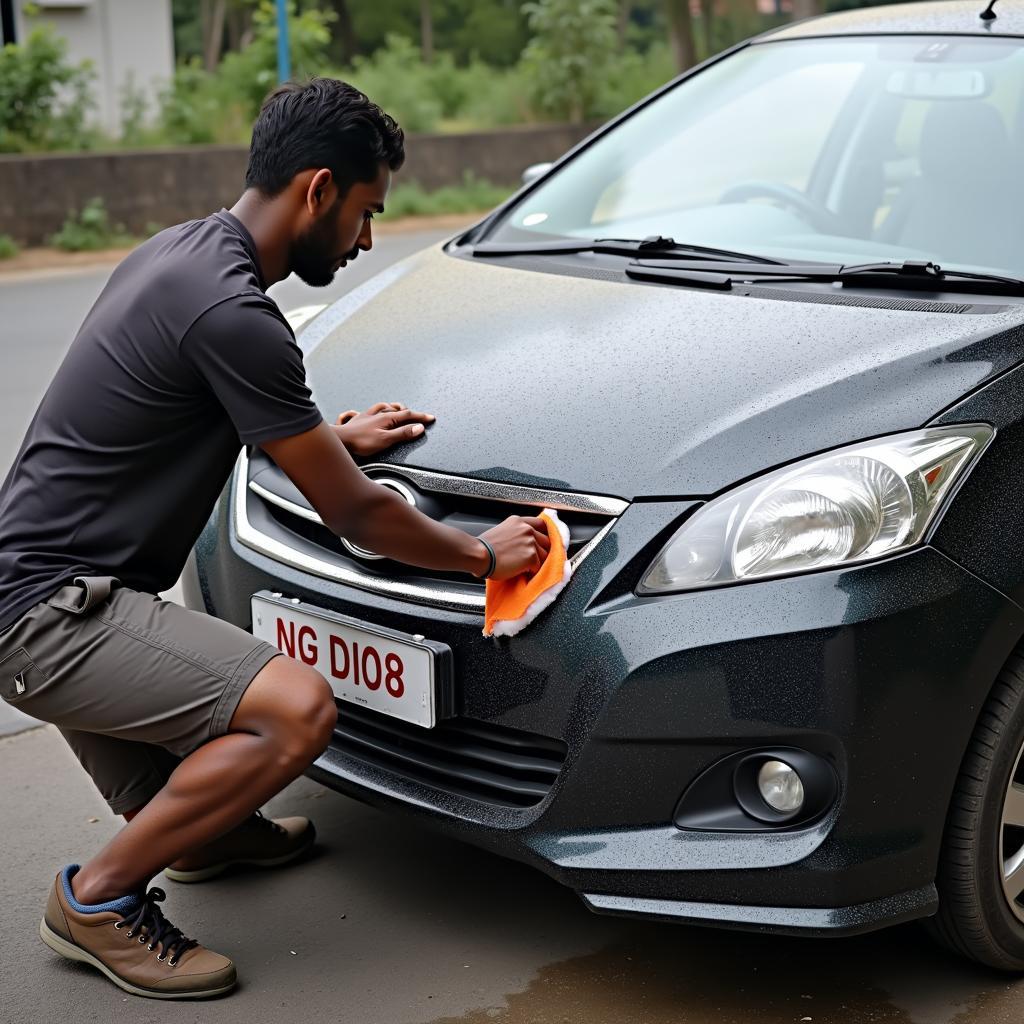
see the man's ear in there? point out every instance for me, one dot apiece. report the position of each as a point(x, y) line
point(320, 191)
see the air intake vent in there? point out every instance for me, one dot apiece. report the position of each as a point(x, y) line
point(872, 301)
point(473, 759)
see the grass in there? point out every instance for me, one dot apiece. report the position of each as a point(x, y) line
point(91, 230)
point(8, 247)
point(473, 195)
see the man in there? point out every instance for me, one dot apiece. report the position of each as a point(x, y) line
point(188, 724)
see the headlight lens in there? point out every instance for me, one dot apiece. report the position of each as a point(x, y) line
point(850, 505)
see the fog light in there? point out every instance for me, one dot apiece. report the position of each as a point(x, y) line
point(780, 787)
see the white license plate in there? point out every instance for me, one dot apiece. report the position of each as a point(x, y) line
point(372, 666)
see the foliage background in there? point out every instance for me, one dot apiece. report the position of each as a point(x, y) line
point(436, 65)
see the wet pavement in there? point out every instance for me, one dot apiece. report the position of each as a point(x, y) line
point(388, 923)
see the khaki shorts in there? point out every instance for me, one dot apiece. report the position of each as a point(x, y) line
point(133, 683)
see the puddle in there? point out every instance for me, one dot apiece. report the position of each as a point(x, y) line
point(665, 975)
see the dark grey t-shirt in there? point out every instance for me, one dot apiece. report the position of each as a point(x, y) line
point(182, 360)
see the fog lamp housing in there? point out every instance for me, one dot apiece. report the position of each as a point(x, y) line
point(758, 790)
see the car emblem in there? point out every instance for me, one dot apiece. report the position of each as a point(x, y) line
point(395, 485)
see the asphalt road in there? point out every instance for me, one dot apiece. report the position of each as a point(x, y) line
point(386, 923)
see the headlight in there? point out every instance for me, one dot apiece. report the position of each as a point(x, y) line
point(849, 505)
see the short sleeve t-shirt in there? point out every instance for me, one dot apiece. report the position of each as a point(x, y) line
point(182, 361)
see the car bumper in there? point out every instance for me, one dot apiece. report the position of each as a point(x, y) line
point(880, 670)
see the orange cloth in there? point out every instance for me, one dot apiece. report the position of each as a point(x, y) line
point(514, 603)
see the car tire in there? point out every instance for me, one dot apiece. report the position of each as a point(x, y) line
point(977, 916)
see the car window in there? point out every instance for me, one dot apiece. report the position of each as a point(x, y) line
point(844, 150)
point(702, 153)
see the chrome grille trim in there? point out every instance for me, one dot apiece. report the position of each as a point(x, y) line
point(421, 593)
point(513, 494)
point(288, 506)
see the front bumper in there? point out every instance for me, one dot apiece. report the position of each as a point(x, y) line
point(879, 669)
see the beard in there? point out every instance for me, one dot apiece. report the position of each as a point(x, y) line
point(314, 254)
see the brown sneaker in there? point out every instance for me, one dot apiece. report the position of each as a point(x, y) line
point(258, 842)
point(134, 945)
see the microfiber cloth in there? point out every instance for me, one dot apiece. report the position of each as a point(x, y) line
point(514, 603)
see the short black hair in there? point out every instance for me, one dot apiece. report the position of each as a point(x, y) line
point(321, 123)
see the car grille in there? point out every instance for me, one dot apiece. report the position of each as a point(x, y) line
point(473, 759)
point(272, 517)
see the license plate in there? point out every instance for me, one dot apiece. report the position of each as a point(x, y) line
point(397, 674)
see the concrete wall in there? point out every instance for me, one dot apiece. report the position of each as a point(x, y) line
point(171, 185)
point(128, 42)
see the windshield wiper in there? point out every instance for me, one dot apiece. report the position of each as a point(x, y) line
point(654, 245)
point(909, 274)
point(925, 272)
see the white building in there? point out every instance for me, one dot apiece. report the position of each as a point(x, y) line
point(130, 44)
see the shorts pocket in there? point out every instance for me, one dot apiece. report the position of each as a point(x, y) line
point(20, 678)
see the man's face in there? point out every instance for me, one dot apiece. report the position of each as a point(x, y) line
point(339, 231)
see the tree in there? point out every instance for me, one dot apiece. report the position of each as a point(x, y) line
point(344, 31)
point(707, 13)
point(212, 14)
point(807, 8)
point(625, 11)
point(680, 28)
point(426, 31)
point(572, 43)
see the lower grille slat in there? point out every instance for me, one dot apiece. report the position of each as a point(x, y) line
point(458, 756)
point(458, 748)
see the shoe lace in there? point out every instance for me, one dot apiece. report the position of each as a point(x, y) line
point(148, 922)
point(270, 823)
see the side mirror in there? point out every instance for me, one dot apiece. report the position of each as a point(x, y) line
point(534, 171)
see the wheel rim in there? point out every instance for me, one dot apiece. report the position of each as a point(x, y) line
point(1011, 860)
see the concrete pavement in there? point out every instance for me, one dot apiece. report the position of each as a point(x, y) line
point(390, 924)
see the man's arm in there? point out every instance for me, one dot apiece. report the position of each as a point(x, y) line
point(375, 517)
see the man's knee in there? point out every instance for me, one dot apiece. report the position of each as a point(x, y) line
point(294, 705)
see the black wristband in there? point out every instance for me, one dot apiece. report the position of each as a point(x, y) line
point(494, 559)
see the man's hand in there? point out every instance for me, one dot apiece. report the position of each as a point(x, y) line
point(375, 517)
point(381, 426)
point(521, 543)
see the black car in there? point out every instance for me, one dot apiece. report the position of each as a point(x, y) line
point(759, 341)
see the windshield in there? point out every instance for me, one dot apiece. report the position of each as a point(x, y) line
point(840, 150)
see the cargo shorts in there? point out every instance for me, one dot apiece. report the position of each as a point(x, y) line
point(133, 683)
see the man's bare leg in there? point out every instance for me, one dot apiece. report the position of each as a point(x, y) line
point(284, 721)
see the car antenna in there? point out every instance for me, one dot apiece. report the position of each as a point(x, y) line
point(989, 14)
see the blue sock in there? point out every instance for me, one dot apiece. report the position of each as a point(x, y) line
point(124, 905)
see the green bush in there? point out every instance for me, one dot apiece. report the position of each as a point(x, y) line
point(90, 230)
point(396, 79)
point(573, 41)
point(473, 195)
point(43, 98)
point(191, 110)
point(201, 107)
point(8, 247)
point(630, 76)
point(493, 97)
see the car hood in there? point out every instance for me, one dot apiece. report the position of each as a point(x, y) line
point(634, 390)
